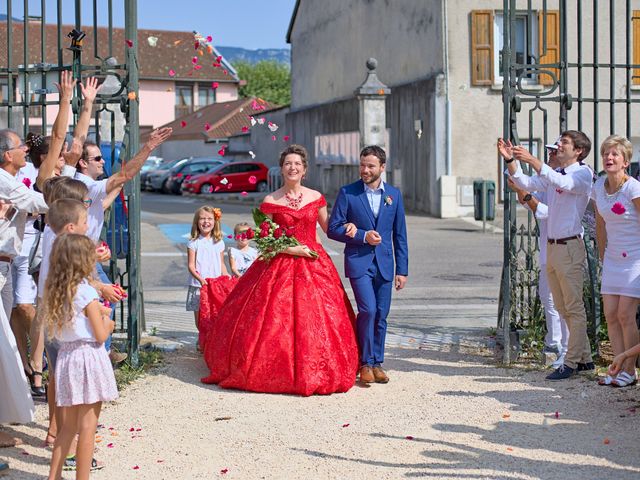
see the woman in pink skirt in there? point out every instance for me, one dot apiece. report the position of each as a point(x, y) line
point(84, 377)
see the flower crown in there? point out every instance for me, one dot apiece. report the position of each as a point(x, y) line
point(217, 214)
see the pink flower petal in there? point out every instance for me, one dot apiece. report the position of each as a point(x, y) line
point(244, 194)
point(345, 425)
point(409, 437)
point(136, 467)
point(215, 85)
point(207, 126)
point(196, 45)
point(253, 180)
point(197, 67)
point(209, 38)
point(624, 254)
point(229, 236)
point(129, 43)
point(285, 138)
point(132, 429)
point(109, 445)
point(183, 124)
point(224, 471)
point(172, 72)
point(557, 414)
point(159, 461)
point(221, 152)
point(219, 58)
point(245, 129)
point(217, 188)
point(273, 137)
point(194, 60)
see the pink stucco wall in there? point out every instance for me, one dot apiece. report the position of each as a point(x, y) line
point(157, 102)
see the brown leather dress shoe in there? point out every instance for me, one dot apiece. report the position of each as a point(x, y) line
point(379, 375)
point(366, 375)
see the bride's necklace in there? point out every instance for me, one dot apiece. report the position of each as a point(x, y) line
point(293, 201)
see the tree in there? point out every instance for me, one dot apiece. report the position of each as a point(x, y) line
point(267, 79)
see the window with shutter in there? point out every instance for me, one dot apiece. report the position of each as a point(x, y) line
point(550, 54)
point(481, 47)
point(635, 25)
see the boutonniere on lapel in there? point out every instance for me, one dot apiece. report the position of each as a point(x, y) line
point(388, 200)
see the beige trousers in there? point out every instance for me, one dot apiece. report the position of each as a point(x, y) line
point(565, 269)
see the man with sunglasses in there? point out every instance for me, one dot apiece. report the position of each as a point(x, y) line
point(103, 192)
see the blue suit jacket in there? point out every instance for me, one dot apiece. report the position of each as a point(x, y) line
point(352, 206)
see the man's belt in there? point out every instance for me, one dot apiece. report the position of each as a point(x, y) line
point(562, 241)
point(4, 258)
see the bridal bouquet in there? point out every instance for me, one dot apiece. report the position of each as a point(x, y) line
point(271, 239)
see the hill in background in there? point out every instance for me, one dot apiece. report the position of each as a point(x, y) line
point(235, 54)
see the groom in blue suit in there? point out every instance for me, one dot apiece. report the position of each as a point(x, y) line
point(368, 217)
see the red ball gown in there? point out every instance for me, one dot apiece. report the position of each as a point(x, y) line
point(287, 326)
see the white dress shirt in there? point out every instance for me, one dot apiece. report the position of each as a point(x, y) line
point(567, 196)
point(26, 201)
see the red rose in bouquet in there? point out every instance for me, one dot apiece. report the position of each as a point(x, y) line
point(272, 239)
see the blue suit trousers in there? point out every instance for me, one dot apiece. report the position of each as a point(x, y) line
point(373, 296)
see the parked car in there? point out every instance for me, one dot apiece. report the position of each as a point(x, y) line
point(156, 179)
point(191, 167)
point(151, 163)
point(240, 176)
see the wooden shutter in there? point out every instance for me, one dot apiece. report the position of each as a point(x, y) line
point(481, 47)
point(635, 25)
point(552, 55)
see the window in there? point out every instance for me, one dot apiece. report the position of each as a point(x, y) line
point(206, 95)
point(487, 29)
point(635, 25)
point(184, 100)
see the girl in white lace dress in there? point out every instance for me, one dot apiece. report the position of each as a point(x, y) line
point(81, 324)
point(617, 198)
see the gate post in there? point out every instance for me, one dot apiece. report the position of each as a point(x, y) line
point(135, 297)
point(372, 96)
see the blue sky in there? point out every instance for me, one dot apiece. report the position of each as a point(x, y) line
point(238, 23)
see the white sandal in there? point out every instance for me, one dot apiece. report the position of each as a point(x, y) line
point(624, 380)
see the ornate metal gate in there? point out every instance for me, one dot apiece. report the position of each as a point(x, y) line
point(37, 50)
point(565, 64)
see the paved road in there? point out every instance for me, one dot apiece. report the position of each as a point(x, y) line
point(453, 280)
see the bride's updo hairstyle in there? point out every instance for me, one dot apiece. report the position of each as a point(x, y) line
point(294, 150)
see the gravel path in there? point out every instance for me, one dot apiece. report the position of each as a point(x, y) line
point(446, 414)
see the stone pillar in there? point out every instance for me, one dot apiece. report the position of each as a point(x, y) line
point(372, 96)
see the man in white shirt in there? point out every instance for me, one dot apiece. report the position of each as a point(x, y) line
point(104, 192)
point(567, 192)
point(16, 404)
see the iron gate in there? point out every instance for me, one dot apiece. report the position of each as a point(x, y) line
point(566, 64)
point(32, 58)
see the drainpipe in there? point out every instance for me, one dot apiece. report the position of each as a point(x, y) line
point(448, 165)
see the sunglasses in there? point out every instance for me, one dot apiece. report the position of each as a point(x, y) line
point(97, 158)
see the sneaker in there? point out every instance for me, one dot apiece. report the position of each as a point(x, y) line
point(561, 373)
point(586, 367)
point(117, 357)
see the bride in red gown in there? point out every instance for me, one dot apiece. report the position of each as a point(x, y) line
point(287, 326)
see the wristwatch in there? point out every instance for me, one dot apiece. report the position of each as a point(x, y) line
point(527, 197)
point(510, 160)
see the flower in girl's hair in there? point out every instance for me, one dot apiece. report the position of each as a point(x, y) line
point(217, 214)
point(618, 208)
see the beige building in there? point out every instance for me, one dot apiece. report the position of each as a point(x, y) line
point(444, 58)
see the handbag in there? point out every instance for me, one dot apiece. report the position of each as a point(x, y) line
point(35, 254)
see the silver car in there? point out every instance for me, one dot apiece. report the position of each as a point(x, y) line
point(155, 180)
